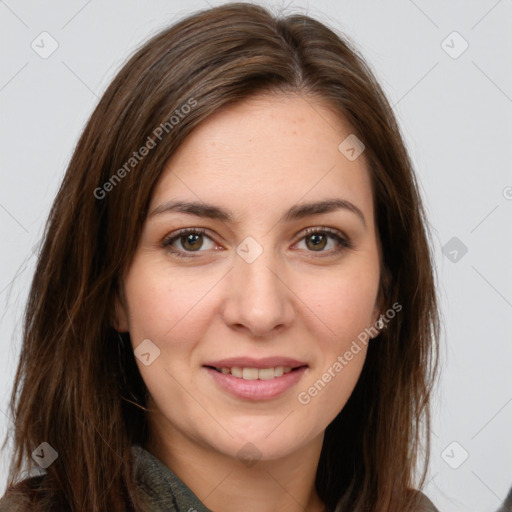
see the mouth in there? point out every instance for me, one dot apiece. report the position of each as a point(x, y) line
point(251, 373)
point(256, 379)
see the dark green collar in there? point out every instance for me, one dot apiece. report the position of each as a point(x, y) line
point(160, 487)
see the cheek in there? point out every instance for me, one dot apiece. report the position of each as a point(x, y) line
point(343, 307)
point(163, 303)
point(343, 303)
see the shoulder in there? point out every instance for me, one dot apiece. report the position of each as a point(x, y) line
point(19, 497)
point(507, 504)
point(423, 504)
point(13, 504)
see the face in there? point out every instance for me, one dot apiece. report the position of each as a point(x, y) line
point(240, 306)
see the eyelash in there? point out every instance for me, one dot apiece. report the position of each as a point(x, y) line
point(343, 243)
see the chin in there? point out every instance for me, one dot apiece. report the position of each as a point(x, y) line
point(264, 443)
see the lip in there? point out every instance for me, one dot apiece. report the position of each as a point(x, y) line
point(256, 389)
point(250, 362)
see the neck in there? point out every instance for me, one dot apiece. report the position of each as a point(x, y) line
point(228, 484)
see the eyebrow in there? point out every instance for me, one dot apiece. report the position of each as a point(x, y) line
point(296, 212)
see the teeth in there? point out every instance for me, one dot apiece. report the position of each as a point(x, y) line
point(256, 373)
point(265, 374)
point(250, 373)
point(236, 372)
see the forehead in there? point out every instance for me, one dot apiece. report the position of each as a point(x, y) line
point(266, 153)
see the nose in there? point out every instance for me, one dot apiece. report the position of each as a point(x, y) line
point(257, 300)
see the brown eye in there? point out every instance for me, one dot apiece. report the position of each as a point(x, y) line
point(191, 242)
point(188, 241)
point(318, 241)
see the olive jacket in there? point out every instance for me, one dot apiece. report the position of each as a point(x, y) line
point(160, 488)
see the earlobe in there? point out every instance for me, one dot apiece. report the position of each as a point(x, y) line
point(378, 323)
point(376, 312)
point(120, 320)
point(383, 292)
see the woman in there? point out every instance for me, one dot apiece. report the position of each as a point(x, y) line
point(234, 306)
point(506, 506)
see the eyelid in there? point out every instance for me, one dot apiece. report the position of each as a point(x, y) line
point(172, 237)
point(324, 229)
point(343, 241)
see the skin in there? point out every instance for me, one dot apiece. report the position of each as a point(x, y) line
point(257, 159)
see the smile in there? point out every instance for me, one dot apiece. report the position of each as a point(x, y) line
point(255, 383)
point(255, 373)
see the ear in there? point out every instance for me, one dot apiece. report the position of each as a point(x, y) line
point(120, 321)
point(384, 287)
point(381, 303)
point(380, 306)
point(378, 310)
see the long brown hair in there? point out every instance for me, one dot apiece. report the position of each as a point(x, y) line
point(77, 386)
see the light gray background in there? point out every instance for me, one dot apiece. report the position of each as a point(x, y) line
point(456, 117)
